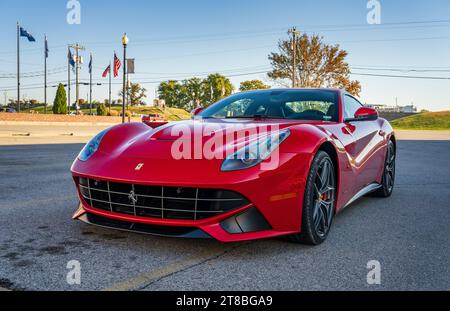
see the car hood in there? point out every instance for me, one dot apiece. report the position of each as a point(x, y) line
point(209, 128)
point(219, 136)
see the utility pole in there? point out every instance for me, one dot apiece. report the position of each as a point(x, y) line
point(77, 49)
point(90, 85)
point(18, 66)
point(45, 74)
point(69, 55)
point(293, 31)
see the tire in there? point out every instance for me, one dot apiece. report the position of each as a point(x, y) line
point(387, 186)
point(319, 202)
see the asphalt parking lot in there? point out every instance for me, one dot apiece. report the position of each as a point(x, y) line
point(408, 234)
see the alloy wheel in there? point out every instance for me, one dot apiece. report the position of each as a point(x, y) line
point(389, 174)
point(324, 198)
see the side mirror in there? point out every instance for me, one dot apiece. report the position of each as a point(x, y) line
point(364, 114)
point(196, 111)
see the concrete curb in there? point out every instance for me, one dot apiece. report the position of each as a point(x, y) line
point(86, 124)
point(422, 135)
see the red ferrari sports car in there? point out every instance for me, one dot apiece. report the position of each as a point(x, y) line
point(255, 165)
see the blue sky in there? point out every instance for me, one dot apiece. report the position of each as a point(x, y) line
point(180, 39)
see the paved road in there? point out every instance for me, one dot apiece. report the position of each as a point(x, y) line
point(408, 233)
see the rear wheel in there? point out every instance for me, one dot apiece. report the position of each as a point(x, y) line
point(319, 202)
point(387, 186)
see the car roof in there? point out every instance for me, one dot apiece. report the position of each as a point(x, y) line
point(340, 91)
point(297, 89)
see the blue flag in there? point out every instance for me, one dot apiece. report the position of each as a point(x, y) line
point(24, 33)
point(71, 59)
point(46, 47)
point(90, 65)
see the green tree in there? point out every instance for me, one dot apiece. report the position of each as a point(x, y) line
point(60, 102)
point(253, 85)
point(215, 87)
point(195, 92)
point(193, 89)
point(173, 93)
point(136, 94)
point(318, 64)
point(101, 110)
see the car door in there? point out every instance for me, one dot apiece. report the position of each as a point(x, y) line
point(365, 144)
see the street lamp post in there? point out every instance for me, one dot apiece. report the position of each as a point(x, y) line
point(125, 43)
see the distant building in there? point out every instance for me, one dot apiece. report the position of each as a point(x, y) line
point(409, 109)
point(394, 109)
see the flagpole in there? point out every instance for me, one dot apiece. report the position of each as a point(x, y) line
point(77, 86)
point(18, 66)
point(90, 88)
point(68, 79)
point(124, 90)
point(110, 87)
point(45, 74)
point(128, 87)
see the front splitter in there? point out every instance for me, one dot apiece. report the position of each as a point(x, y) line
point(163, 231)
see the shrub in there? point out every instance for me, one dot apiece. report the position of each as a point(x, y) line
point(128, 114)
point(60, 102)
point(101, 110)
point(113, 113)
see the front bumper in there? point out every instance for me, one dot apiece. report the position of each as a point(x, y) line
point(276, 196)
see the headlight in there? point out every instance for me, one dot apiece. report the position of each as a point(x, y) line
point(92, 146)
point(255, 153)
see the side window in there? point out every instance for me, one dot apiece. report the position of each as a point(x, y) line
point(351, 105)
point(236, 108)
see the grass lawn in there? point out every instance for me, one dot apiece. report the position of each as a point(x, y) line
point(437, 121)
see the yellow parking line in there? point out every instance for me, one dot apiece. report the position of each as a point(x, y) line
point(151, 276)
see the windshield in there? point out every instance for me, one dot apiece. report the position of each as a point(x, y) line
point(316, 105)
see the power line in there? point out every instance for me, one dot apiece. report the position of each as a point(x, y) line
point(33, 74)
point(161, 79)
point(400, 67)
point(394, 39)
point(400, 76)
point(206, 72)
point(34, 50)
point(269, 31)
point(401, 70)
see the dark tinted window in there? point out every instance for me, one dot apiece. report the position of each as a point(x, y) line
point(318, 105)
point(351, 105)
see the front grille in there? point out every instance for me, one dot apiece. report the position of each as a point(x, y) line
point(158, 201)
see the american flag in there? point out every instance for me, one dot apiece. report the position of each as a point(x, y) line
point(106, 72)
point(117, 65)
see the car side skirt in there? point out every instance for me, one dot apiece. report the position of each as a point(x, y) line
point(366, 190)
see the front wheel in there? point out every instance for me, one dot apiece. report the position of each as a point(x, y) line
point(319, 202)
